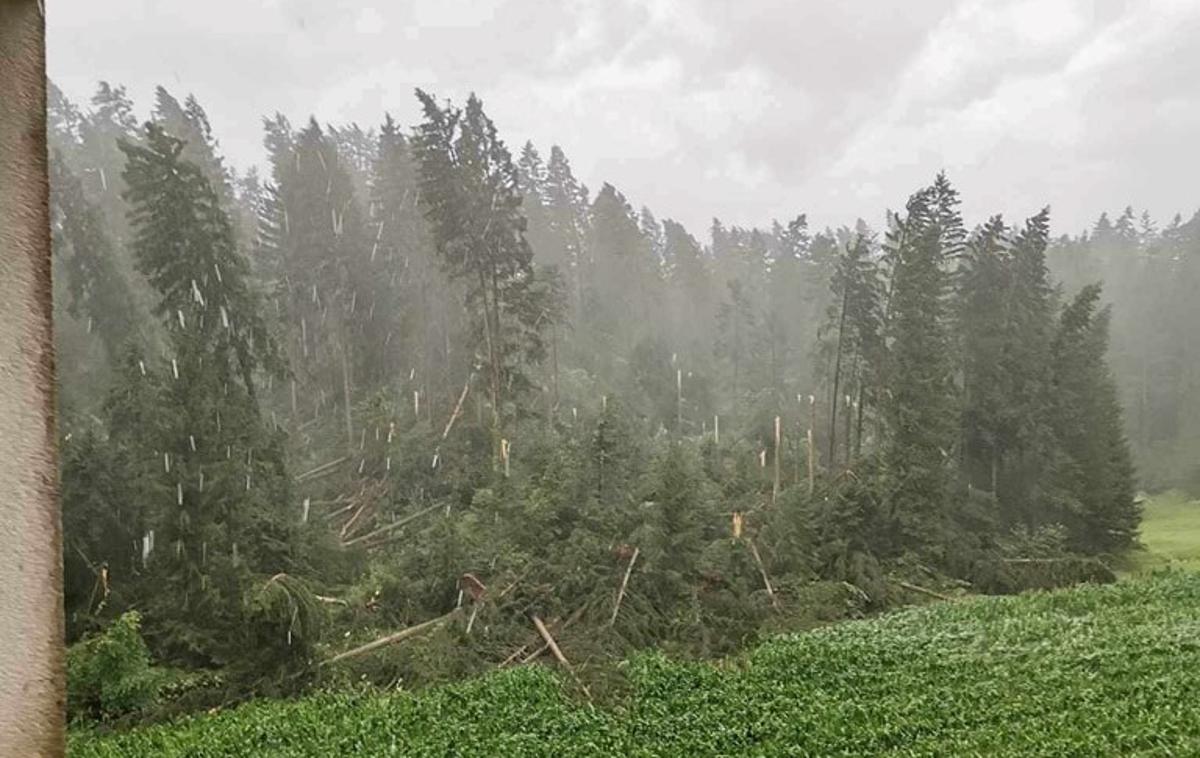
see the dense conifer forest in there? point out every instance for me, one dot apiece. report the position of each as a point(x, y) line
point(414, 403)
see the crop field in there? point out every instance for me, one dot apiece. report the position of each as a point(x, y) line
point(1090, 671)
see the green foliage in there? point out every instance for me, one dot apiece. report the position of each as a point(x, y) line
point(1090, 671)
point(469, 189)
point(920, 412)
point(1093, 473)
point(109, 673)
point(405, 358)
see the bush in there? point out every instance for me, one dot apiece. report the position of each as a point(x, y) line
point(109, 674)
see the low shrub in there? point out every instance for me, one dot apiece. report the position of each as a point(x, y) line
point(109, 674)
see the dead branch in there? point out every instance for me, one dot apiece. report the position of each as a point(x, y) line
point(320, 470)
point(923, 591)
point(334, 514)
point(457, 408)
point(521, 650)
point(1048, 560)
point(392, 639)
point(624, 584)
point(393, 526)
point(558, 654)
point(762, 569)
point(348, 527)
point(570, 620)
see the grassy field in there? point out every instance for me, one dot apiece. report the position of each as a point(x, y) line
point(1170, 533)
point(1091, 671)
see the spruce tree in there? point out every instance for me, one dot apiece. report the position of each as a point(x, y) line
point(208, 470)
point(470, 193)
point(985, 337)
point(921, 405)
point(855, 321)
point(324, 279)
point(566, 205)
point(1093, 474)
point(85, 261)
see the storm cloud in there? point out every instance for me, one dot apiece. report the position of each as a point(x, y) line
point(746, 111)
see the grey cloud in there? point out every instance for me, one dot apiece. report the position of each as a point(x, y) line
point(699, 108)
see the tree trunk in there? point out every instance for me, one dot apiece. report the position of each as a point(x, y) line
point(32, 681)
point(346, 395)
point(490, 337)
point(837, 378)
point(862, 404)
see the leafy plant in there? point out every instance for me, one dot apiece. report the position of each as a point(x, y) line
point(109, 674)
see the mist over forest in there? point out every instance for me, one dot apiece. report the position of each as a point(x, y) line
point(419, 374)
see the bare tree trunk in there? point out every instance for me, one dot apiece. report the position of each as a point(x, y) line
point(679, 401)
point(558, 654)
point(32, 681)
point(862, 404)
point(392, 639)
point(346, 395)
point(624, 583)
point(493, 368)
point(812, 451)
point(778, 442)
point(837, 379)
point(554, 351)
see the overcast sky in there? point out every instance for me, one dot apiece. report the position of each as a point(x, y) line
point(746, 110)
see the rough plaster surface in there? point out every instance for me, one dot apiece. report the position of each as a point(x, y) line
point(31, 617)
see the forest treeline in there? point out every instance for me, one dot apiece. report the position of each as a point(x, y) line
point(409, 375)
